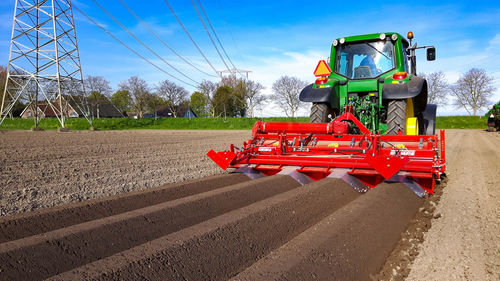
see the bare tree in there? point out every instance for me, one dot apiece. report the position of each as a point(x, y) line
point(253, 96)
point(98, 92)
point(173, 94)
point(230, 81)
point(286, 93)
point(3, 78)
point(208, 89)
point(437, 87)
point(139, 91)
point(97, 84)
point(18, 106)
point(473, 90)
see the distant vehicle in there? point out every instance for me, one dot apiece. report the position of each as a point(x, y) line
point(150, 115)
point(494, 118)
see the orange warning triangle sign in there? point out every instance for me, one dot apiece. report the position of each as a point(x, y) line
point(322, 69)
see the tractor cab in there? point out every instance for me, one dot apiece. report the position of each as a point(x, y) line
point(365, 59)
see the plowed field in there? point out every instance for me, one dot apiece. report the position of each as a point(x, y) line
point(148, 205)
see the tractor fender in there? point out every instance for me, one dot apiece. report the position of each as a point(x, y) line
point(429, 116)
point(309, 94)
point(416, 88)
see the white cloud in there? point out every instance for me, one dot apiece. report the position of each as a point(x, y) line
point(266, 70)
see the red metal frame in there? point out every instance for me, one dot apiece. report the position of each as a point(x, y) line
point(317, 149)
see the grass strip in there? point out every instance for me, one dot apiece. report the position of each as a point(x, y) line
point(443, 122)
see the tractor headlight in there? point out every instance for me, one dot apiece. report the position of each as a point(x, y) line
point(342, 40)
point(382, 36)
point(335, 43)
point(394, 37)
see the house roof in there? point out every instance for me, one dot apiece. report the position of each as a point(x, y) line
point(106, 110)
point(47, 110)
point(181, 111)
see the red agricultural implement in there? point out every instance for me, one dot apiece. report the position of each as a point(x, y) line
point(313, 151)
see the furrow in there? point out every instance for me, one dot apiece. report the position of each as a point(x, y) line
point(28, 224)
point(221, 247)
point(47, 254)
point(350, 244)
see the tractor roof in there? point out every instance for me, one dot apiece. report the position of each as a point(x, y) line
point(371, 37)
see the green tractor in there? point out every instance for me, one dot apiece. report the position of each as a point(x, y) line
point(494, 118)
point(375, 74)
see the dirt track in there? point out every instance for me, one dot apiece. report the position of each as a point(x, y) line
point(227, 226)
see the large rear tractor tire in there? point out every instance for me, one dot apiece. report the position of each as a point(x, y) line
point(396, 117)
point(320, 112)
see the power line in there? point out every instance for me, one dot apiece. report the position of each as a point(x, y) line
point(126, 46)
point(161, 40)
point(209, 35)
point(229, 29)
point(189, 35)
point(144, 44)
point(215, 33)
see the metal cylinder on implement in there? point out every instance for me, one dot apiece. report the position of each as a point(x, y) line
point(294, 128)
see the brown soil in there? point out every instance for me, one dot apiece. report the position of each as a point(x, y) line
point(42, 256)
point(44, 220)
point(350, 244)
point(44, 169)
point(456, 234)
point(226, 226)
point(221, 247)
point(398, 264)
point(464, 240)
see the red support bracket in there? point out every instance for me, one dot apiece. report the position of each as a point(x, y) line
point(223, 158)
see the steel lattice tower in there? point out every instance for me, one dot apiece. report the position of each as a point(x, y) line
point(44, 61)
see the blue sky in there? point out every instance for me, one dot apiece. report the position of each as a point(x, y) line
point(275, 38)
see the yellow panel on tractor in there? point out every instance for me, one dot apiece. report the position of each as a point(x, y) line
point(412, 126)
point(411, 121)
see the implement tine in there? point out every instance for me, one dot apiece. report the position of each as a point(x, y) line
point(296, 175)
point(351, 180)
point(415, 187)
point(250, 172)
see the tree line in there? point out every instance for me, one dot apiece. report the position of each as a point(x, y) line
point(230, 97)
point(472, 91)
point(238, 97)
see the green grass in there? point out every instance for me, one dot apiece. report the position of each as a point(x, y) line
point(147, 123)
point(46, 123)
point(445, 122)
point(461, 122)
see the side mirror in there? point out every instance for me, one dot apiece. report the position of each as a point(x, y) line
point(431, 53)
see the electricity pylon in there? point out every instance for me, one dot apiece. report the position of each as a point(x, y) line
point(44, 61)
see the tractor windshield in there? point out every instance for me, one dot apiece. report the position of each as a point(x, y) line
point(364, 60)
